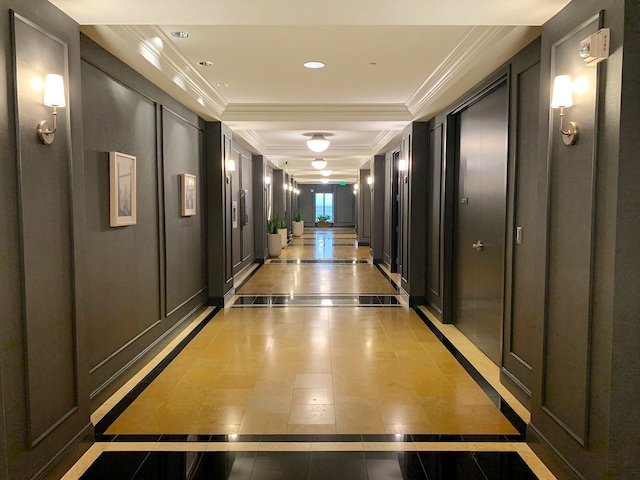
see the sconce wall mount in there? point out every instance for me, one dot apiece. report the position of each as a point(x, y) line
point(53, 97)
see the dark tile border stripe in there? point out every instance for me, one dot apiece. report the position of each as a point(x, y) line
point(354, 261)
point(518, 423)
point(277, 300)
point(128, 399)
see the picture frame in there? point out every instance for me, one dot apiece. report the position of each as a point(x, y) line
point(122, 189)
point(188, 194)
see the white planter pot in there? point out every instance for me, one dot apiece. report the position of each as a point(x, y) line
point(274, 244)
point(298, 228)
point(284, 233)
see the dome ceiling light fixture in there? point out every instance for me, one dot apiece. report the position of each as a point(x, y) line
point(319, 164)
point(318, 143)
point(324, 180)
point(326, 173)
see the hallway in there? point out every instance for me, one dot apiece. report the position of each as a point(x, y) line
point(317, 368)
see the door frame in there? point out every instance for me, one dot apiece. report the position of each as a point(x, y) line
point(451, 177)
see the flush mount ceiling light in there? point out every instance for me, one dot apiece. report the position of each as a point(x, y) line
point(179, 34)
point(205, 63)
point(318, 143)
point(222, 84)
point(324, 180)
point(314, 64)
point(319, 164)
point(326, 173)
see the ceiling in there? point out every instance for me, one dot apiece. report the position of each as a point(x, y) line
point(387, 63)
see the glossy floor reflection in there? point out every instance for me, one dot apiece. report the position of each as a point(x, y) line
point(263, 465)
point(317, 368)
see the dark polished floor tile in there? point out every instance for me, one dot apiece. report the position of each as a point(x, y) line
point(281, 466)
point(338, 466)
point(266, 465)
point(115, 465)
point(394, 466)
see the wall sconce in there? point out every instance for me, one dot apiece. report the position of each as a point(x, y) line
point(230, 166)
point(562, 98)
point(267, 180)
point(402, 165)
point(53, 97)
point(369, 180)
point(285, 186)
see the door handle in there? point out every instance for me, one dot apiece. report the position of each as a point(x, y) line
point(478, 246)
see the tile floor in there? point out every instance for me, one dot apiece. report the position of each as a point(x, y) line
point(260, 381)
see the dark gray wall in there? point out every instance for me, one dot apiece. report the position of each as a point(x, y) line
point(363, 198)
point(218, 147)
point(413, 212)
point(242, 250)
point(43, 306)
point(260, 215)
point(376, 191)
point(587, 255)
point(521, 317)
point(306, 204)
point(145, 278)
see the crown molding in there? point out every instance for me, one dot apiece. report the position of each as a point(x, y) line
point(383, 139)
point(303, 151)
point(253, 138)
point(474, 46)
point(171, 64)
point(316, 112)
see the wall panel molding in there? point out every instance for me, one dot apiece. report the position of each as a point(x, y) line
point(571, 173)
point(47, 250)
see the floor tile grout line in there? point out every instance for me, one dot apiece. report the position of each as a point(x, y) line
point(128, 399)
point(471, 369)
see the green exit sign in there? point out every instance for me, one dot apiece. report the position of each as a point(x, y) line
point(342, 184)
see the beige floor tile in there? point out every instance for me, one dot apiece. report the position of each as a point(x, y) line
point(269, 404)
point(313, 380)
point(312, 415)
point(312, 396)
point(264, 423)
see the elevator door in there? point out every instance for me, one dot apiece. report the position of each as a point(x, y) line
point(480, 222)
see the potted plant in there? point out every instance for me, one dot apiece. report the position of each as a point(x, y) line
point(298, 225)
point(274, 239)
point(323, 221)
point(282, 230)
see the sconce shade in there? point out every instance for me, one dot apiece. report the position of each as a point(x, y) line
point(267, 180)
point(562, 95)
point(231, 166)
point(54, 91)
point(402, 165)
point(369, 180)
point(317, 143)
point(318, 164)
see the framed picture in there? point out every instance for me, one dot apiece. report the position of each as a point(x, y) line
point(188, 203)
point(122, 189)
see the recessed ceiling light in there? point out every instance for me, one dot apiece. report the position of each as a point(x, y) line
point(179, 34)
point(205, 63)
point(314, 64)
point(221, 84)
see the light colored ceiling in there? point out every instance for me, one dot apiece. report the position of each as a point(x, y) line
point(387, 63)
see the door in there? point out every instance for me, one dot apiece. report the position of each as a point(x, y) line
point(480, 221)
